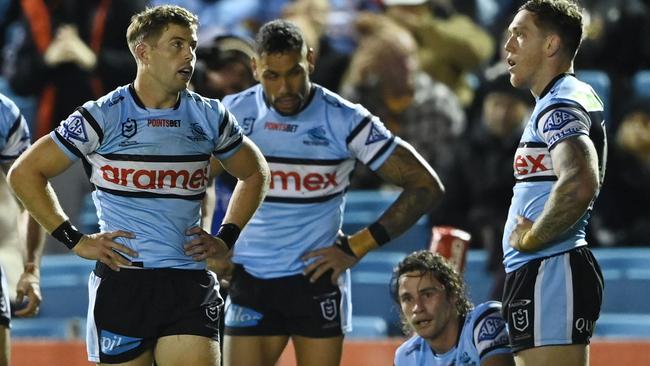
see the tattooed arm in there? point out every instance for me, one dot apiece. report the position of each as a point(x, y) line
point(422, 189)
point(407, 169)
point(575, 163)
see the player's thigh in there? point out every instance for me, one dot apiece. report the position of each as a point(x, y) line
point(180, 350)
point(253, 350)
point(568, 355)
point(145, 359)
point(318, 351)
point(5, 350)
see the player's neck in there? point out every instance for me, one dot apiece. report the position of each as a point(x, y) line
point(547, 73)
point(154, 95)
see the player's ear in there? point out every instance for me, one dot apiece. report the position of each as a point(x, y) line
point(310, 59)
point(254, 68)
point(142, 53)
point(553, 45)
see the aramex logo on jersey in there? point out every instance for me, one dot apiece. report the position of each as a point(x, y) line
point(155, 179)
point(311, 181)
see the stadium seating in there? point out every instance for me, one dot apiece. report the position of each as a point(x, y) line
point(627, 279)
point(365, 207)
point(49, 328)
point(599, 80)
point(641, 83)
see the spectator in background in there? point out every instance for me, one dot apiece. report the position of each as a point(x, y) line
point(70, 53)
point(312, 17)
point(223, 67)
point(385, 76)
point(621, 215)
point(480, 184)
point(239, 17)
point(449, 48)
point(447, 329)
point(14, 139)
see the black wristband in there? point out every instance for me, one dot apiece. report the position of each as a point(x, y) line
point(343, 243)
point(379, 233)
point(67, 234)
point(229, 234)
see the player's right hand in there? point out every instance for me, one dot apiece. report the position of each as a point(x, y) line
point(223, 267)
point(204, 246)
point(102, 247)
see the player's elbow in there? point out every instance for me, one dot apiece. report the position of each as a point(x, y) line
point(586, 189)
point(429, 188)
point(17, 175)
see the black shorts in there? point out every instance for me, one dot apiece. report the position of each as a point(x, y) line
point(554, 300)
point(5, 307)
point(282, 306)
point(130, 309)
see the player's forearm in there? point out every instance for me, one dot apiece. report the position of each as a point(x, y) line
point(422, 190)
point(37, 196)
point(575, 164)
point(568, 202)
point(35, 238)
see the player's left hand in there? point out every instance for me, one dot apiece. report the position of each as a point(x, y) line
point(328, 258)
point(517, 235)
point(29, 286)
point(204, 245)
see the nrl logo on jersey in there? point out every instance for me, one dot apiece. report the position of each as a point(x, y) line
point(247, 125)
point(129, 128)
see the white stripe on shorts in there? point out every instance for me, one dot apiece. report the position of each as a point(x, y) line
point(92, 341)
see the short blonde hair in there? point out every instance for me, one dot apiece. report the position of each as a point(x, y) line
point(150, 23)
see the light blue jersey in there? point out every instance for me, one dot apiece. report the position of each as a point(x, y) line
point(568, 107)
point(311, 156)
point(150, 167)
point(14, 133)
point(484, 334)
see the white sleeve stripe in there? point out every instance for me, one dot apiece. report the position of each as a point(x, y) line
point(226, 120)
point(358, 129)
point(231, 146)
point(381, 151)
point(71, 147)
point(92, 122)
point(15, 126)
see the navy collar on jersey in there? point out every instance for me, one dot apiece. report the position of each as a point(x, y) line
point(552, 83)
point(137, 100)
point(312, 92)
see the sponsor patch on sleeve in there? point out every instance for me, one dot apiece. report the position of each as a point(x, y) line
point(560, 123)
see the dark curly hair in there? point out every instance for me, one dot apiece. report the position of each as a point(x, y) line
point(563, 17)
point(424, 262)
point(279, 36)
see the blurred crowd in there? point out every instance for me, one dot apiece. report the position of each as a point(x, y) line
point(432, 70)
